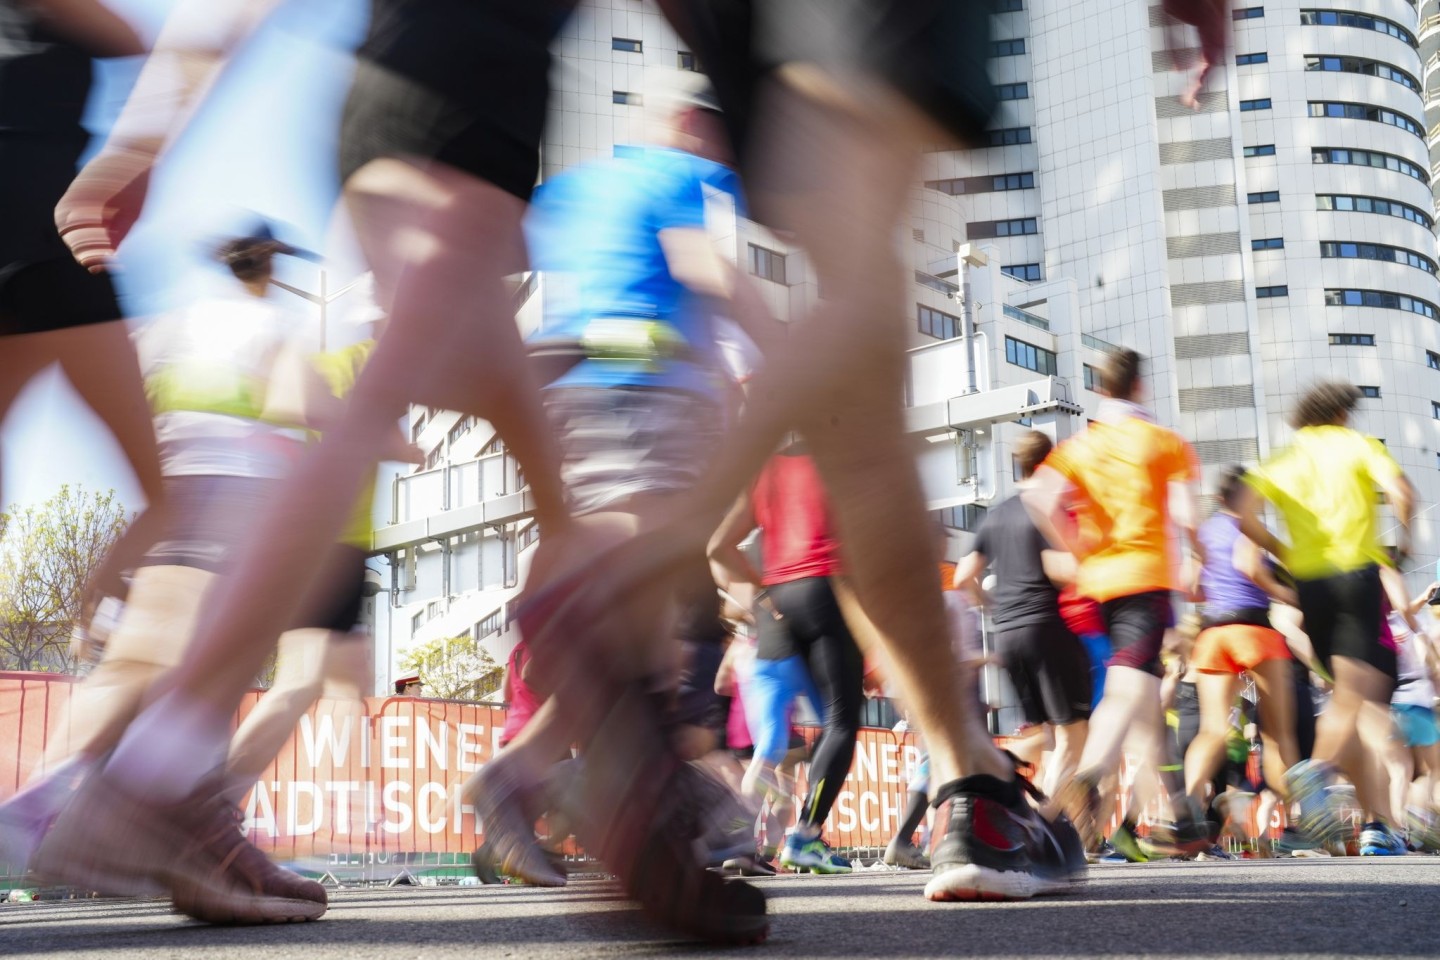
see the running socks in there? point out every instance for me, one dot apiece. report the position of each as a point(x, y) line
point(914, 813)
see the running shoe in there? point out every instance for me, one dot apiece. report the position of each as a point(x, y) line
point(991, 844)
point(1308, 782)
point(1422, 829)
point(1216, 852)
point(814, 855)
point(25, 817)
point(906, 855)
point(482, 861)
point(1080, 799)
point(106, 841)
point(753, 865)
point(1124, 842)
point(500, 798)
point(1294, 843)
point(1378, 840)
point(1108, 855)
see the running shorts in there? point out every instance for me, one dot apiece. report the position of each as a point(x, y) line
point(696, 702)
point(464, 82)
point(1137, 626)
point(770, 703)
point(1237, 647)
point(1343, 617)
point(934, 52)
point(42, 288)
point(1050, 671)
point(623, 441)
point(1416, 724)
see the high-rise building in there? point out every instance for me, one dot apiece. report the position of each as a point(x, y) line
point(1280, 233)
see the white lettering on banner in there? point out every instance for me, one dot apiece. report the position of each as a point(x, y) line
point(467, 752)
point(393, 804)
point(868, 820)
point(461, 808)
point(911, 754)
point(341, 790)
point(365, 734)
point(318, 733)
point(259, 812)
point(864, 766)
point(889, 763)
point(425, 743)
point(423, 807)
point(392, 741)
point(292, 802)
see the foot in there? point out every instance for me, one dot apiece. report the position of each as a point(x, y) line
point(193, 850)
point(1216, 852)
point(1378, 840)
point(25, 817)
point(1124, 842)
point(499, 794)
point(990, 844)
point(482, 861)
point(814, 854)
point(907, 856)
point(753, 865)
point(1319, 820)
point(1080, 799)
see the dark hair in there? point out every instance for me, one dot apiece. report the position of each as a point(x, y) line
point(1120, 373)
point(248, 258)
point(1232, 482)
point(1326, 402)
point(1031, 449)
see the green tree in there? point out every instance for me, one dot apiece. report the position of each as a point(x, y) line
point(47, 556)
point(455, 668)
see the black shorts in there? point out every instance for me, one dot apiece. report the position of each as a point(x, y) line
point(42, 288)
point(1342, 618)
point(337, 605)
point(1137, 626)
point(1049, 669)
point(934, 52)
point(696, 703)
point(464, 82)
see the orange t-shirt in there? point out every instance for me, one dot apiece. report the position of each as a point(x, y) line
point(947, 575)
point(1122, 474)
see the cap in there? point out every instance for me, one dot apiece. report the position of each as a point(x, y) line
point(403, 682)
point(261, 233)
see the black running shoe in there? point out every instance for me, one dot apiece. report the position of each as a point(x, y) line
point(990, 844)
point(482, 860)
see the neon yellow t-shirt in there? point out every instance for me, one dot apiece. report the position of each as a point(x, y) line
point(1324, 486)
point(341, 368)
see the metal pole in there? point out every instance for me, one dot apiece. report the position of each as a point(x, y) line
point(967, 325)
point(324, 303)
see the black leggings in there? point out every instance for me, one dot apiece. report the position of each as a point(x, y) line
point(810, 616)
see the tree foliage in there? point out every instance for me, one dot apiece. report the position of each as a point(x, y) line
point(47, 556)
point(455, 668)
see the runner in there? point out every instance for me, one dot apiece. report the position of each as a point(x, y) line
point(804, 646)
point(1128, 479)
point(1047, 664)
point(1237, 588)
point(1324, 487)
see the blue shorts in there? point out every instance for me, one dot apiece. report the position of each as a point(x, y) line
point(770, 703)
point(1097, 648)
point(1417, 724)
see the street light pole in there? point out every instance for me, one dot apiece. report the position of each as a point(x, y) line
point(323, 299)
point(968, 257)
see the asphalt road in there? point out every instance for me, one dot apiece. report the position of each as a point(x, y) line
point(1254, 909)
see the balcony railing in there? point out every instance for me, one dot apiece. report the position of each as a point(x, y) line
point(1015, 313)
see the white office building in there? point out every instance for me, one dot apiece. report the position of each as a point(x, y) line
point(1279, 234)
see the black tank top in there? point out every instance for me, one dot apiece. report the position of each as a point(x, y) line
point(44, 79)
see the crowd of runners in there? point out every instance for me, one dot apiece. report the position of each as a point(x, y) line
point(661, 415)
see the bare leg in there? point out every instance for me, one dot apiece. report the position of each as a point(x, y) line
point(1274, 682)
point(1206, 756)
point(1355, 731)
point(1063, 763)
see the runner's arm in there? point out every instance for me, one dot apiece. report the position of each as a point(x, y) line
point(90, 25)
point(1251, 562)
point(1252, 527)
point(967, 576)
point(1047, 500)
point(1060, 566)
point(724, 550)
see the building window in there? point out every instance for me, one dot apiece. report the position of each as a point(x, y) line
point(1432, 359)
point(626, 97)
point(490, 625)
point(1372, 393)
point(1382, 299)
point(1435, 409)
point(967, 517)
point(1014, 181)
point(462, 427)
point(626, 45)
point(1268, 243)
point(767, 264)
point(1270, 293)
point(1012, 91)
point(1247, 106)
point(1376, 251)
point(1022, 271)
point(1009, 136)
point(1029, 356)
point(1250, 59)
point(1369, 68)
point(685, 60)
point(1091, 378)
point(1007, 48)
point(1368, 158)
point(1263, 150)
point(1248, 13)
point(1352, 339)
point(1362, 21)
point(1265, 196)
point(418, 621)
point(1390, 208)
point(417, 428)
point(1344, 110)
point(935, 323)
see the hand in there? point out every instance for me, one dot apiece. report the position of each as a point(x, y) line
point(102, 205)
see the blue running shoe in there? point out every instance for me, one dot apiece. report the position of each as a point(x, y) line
point(815, 855)
point(1378, 840)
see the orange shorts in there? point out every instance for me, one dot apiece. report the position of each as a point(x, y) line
point(1237, 647)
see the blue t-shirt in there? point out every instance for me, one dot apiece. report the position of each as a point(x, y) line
point(595, 233)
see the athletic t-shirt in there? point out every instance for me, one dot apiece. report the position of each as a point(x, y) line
point(1122, 473)
point(594, 233)
point(1323, 483)
point(1413, 686)
point(796, 540)
point(1023, 595)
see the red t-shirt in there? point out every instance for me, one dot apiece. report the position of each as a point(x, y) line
point(789, 505)
point(1081, 614)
